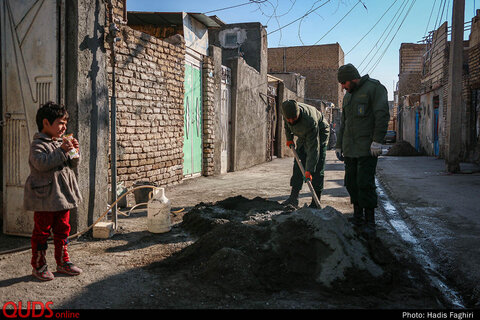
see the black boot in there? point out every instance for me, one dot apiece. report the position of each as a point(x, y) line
point(357, 219)
point(369, 228)
point(293, 199)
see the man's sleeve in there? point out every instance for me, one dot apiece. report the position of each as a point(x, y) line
point(340, 131)
point(288, 133)
point(381, 113)
point(312, 148)
point(324, 129)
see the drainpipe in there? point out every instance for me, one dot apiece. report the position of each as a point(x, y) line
point(112, 38)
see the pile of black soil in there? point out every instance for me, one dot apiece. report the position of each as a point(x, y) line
point(403, 149)
point(245, 246)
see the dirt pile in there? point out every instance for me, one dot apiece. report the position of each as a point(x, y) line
point(257, 244)
point(403, 149)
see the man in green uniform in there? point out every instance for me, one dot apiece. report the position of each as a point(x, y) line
point(312, 131)
point(365, 116)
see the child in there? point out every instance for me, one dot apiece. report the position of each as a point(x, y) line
point(51, 189)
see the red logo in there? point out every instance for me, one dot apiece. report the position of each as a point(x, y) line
point(33, 309)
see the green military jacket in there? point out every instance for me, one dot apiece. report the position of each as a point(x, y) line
point(365, 116)
point(312, 131)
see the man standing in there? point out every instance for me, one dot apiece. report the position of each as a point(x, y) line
point(312, 130)
point(365, 116)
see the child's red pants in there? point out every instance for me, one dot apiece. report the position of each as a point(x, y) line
point(58, 223)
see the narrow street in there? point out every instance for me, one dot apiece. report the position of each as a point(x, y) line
point(138, 269)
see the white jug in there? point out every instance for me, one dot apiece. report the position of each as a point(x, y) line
point(158, 212)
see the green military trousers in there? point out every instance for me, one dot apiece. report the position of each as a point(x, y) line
point(360, 181)
point(297, 179)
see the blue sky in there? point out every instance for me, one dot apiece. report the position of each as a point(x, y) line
point(370, 32)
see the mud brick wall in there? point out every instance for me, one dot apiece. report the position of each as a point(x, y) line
point(319, 64)
point(150, 88)
point(474, 66)
point(411, 67)
point(208, 108)
point(472, 82)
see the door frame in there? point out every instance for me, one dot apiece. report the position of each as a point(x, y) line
point(225, 119)
point(31, 93)
point(195, 59)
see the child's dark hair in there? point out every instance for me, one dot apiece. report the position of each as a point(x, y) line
point(50, 111)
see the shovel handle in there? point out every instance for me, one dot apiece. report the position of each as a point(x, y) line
point(309, 183)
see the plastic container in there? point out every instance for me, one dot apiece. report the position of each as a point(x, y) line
point(158, 212)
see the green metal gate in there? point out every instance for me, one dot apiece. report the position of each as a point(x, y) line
point(192, 129)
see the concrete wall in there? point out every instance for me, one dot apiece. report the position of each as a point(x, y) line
point(87, 103)
point(249, 105)
point(407, 116)
point(294, 82)
point(244, 51)
point(427, 120)
point(246, 40)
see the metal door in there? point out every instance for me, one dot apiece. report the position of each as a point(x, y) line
point(225, 118)
point(271, 121)
point(417, 124)
point(30, 63)
point(192, 143)
point(436, 105)
point(436, 147)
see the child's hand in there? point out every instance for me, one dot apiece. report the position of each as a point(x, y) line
point(75, 143)
point(67, 145)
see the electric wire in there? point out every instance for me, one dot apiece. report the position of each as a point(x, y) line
point(368, 32)
point(391, 25)
point(383, 54)
point(428, 23)
point(306, 14)
point(236, 6)
point(311, 46)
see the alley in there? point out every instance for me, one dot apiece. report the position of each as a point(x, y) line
point(121, 272)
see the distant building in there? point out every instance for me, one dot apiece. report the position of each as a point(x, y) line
point(318, 64)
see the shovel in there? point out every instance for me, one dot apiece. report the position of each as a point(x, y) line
point(309, 183)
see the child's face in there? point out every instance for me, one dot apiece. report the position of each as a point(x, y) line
point(56, 129)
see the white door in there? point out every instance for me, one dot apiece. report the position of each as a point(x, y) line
point(30, 62)
point(225, 118)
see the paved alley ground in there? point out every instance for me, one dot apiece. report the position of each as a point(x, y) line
point(428, 222)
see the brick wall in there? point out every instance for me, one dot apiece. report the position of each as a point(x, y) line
point(410, 69)
point(473, 84)
point(319, 64)
point(209, 87)
point(150, 89)
point(434, 66)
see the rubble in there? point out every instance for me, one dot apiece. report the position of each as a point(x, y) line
point(260, 245)
point(403, 149)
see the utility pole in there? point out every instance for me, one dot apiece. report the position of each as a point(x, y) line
point(454, 100)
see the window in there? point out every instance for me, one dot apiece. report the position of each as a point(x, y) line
point(231, 39)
